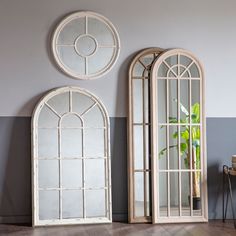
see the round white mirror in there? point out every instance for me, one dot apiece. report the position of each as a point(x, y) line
point(85, 45)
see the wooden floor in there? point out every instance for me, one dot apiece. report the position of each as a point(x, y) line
point(214, 228)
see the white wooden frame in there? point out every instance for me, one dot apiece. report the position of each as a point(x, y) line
point(35, 158)
point(109, 64)
point(156, 217)
point(131, 156)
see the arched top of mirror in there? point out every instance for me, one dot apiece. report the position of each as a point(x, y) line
point(85, 45)
point(68, 107)
point(178, 64)
point(142, 63)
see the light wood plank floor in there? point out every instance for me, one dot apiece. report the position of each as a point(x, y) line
point(213, 228)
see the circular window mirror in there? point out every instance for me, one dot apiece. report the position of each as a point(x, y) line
point(85, 45)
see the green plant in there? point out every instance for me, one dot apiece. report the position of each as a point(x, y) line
point(185, 148)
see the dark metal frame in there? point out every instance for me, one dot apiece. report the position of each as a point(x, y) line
point(227, 179)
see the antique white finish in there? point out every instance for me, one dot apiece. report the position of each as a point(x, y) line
point(71, 177)
point(176, 78)
point(85, 45)
point(139, 166)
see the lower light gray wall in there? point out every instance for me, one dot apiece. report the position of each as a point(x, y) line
point(15, 162)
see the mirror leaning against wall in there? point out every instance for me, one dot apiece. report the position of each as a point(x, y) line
point(177, 190)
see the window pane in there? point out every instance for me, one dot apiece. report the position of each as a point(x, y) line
point(48, 171)
point(138, 146)
point(137, 100)
point(48, 143)
point(173, 147)
point(185, 193)
point(163, 194)
point(95, 173)
point(173, 104)
point(162, 147)
point(174, 193)
point(72, 204)
point(184, 100)
point(48, 205)
point(161, 100)
point(95, 203)
point(195, 109)
point(72, 173)
point(139, 194)
point(94, 142)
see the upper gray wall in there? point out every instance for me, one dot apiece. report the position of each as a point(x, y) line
point(205, 27)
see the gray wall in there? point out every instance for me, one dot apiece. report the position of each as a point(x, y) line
point(205, 27)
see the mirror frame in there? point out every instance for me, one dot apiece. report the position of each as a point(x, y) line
point(34, 149)
point(131, 157)
point(154, 153)
point(86, 15)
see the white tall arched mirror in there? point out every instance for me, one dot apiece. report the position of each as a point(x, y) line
point(70, 159)
point(178, 132)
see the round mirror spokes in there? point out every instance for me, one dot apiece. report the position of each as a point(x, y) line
point(86, 45)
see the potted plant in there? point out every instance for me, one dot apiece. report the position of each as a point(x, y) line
point(185, 148)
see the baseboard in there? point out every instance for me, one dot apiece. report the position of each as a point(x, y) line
point(15, 219)
point(27, 219)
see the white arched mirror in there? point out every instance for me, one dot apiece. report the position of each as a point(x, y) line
point(85, 45)
point(139, 165)
point(70, 159)
point(179, 183)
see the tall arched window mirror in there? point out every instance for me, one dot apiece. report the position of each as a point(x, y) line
point(179, 185)
point(70, 159)
point(139, 166)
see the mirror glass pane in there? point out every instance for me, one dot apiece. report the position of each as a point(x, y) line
point(93, 118)
point(60, 103)
point(48, 168)
point(163, 197)
point(185, 193)
point(173, 147)
point(196, 147)
point(95, 203)
point(139, 194)
point(162, 70)
point(194, 71)
point(48, 143)
point(47, 118)
point(161, 100)
point(71, 121)
point(48, 205)
point(95, 173)
point(71, 31)
point(71, 143)
point(174, 193)
point(184, 101)
point(100, 31)
point(173, 104)
point(100, 59)
point(147, 108)
point(147, 59)
point(94, 142)
point(162, 146)
point(71, 173)
point(72, 204)
point(148, 194)
point(138, 147)
point(138, 70)
point(184, 145)
point(80, 103)
point(71, 59)
point(196, 109)
point(137, 100)
point(197, 203)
